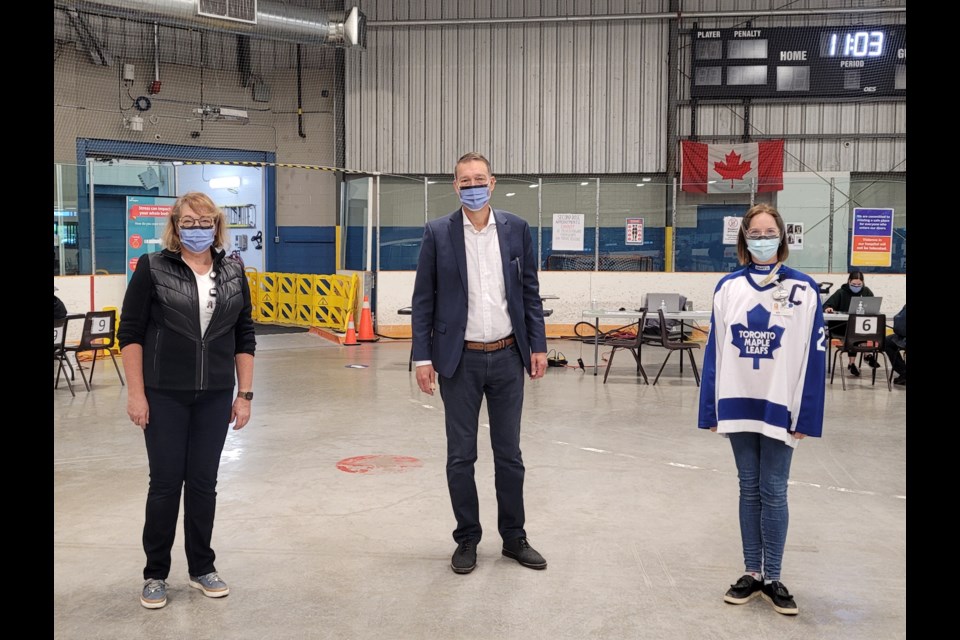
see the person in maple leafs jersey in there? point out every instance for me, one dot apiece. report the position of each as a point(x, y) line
point(764, 371)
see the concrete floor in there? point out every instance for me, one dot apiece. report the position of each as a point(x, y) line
point(634, 508)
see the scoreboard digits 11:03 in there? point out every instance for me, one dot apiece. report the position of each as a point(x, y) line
point(779, 62)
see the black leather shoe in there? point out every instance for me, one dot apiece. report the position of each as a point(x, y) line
point(777, 595)
point(521, 551)
point(900, 380)
point(869, 359)
point(854, 371)
point(744, 590)
point(464, 559)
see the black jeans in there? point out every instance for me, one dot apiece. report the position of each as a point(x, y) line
point(184, 440)
point(498, 375)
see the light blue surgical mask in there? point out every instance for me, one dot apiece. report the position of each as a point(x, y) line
point(197, 240)
point(763, 249)
point(475, 197)
point(854, 289)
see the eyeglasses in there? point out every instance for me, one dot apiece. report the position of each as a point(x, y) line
point(195, 223)
point(757, 234)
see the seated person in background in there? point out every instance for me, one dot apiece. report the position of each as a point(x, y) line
point(895, 343)
point(839, 302)
point(59, 309)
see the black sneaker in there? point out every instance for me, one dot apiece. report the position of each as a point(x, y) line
point(521, 551)
point(777, 595)
point(853, 370)
point(746, 589)
point(900, 380)
point(464, 559)
point(869, 359)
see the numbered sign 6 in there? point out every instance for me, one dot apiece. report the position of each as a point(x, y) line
point(56, 334)
point(866, 326)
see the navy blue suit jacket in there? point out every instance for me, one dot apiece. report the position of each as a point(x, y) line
point(440, 291)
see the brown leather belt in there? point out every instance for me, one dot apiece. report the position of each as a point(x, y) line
point(489, 346)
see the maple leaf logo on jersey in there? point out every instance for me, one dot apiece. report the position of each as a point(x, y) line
point(732, 168)
point(758, 339)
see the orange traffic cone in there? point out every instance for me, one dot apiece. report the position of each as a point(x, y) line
point(351, 339)
point(366, 323)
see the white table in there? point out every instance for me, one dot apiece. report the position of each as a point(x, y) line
point(633, 316)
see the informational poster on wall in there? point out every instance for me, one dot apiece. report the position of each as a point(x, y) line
point(146, 219)
point(634, 231)
point(795, 236)
point(872, 239)
point(568, 232)
point(731, 227)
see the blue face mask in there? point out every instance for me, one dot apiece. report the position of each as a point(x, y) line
point(763, 249)
point(475, 197)
point(855, 289)
point(197, 240)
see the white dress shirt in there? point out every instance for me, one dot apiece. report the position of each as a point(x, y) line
point(488, 318)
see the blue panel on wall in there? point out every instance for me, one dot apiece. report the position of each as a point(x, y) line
point(615, 253)
point(701, 248)
point(305, 250)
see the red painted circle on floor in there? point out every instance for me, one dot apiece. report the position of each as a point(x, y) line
point(378, 464)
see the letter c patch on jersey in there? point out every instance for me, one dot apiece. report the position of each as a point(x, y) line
point(801, 287)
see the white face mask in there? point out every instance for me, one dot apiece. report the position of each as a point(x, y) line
point(762, 249)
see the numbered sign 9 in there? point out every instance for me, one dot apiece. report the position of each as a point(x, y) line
point(100, 326)
point(56, 335)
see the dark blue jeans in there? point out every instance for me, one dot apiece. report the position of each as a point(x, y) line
point(184, 440)
point(498, 375)
point(763, 466)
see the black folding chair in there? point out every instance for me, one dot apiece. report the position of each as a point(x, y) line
point(630, 344)
point(99, 334)
point(865, 334)
point(60, 355)
point(671, 345)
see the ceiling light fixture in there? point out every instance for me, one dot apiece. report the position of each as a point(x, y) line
point(226, 182)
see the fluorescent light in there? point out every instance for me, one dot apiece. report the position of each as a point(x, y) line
point(431, 182)
point(226, 182)
point(583, 184)
point(534, 186)
point(711, 182)
point(640, 184)
point(511, 194)
point(646, 179)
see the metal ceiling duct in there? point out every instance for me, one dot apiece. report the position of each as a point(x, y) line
point(274, 20)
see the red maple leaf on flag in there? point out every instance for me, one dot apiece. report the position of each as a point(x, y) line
point(732, 169)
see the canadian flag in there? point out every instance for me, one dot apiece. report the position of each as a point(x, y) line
point(731, 168)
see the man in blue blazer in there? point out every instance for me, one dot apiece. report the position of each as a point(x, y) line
point(478, 323)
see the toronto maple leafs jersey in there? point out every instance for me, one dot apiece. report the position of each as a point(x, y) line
point(764, 368)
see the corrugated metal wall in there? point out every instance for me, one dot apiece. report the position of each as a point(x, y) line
point(583, 97)
point(535, 98)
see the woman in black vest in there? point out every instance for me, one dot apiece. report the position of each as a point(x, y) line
point(187, 329)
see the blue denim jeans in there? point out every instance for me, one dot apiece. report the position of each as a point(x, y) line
point(763, 466)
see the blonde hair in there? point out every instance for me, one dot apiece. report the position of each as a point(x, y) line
point(202, 205)
point(743, 254)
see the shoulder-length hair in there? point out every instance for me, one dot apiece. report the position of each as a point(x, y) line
point(743, 254)
point(202, 205)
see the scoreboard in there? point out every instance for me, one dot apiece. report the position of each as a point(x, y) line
point(796, 62)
